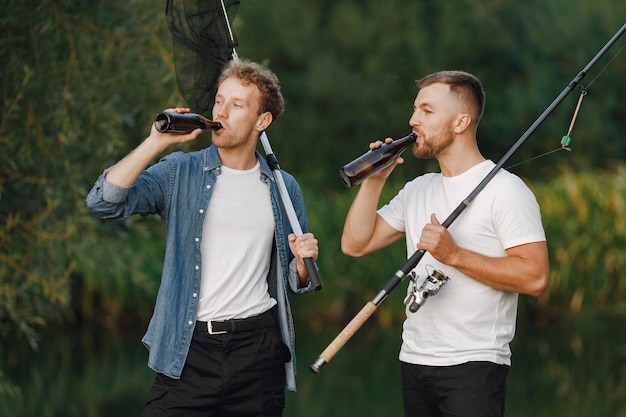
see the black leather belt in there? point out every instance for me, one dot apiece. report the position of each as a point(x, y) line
point(267, 319)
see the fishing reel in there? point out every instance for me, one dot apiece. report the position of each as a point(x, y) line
point(418, 295)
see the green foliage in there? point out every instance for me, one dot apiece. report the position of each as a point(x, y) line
point(67, 113)
point(583, 214)
point(83, 80)
point(348, 71)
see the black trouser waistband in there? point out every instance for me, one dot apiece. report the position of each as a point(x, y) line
point(266, 319)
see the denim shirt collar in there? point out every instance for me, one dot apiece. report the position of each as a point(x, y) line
point(212, 161)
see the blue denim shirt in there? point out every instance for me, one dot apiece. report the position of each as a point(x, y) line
point(179, 189)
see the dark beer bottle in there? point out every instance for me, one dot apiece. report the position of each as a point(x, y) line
point(172, 122)
point(374, 161)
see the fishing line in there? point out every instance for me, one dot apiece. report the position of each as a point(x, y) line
point(566, 139)
point(562, 148)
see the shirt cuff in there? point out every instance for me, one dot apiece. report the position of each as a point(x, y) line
point(294, 280)
point(113, 193)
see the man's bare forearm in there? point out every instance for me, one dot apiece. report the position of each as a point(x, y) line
point(127, 170)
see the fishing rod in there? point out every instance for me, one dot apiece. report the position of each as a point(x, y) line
point(370, 307)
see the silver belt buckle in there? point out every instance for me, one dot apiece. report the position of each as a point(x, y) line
point(209, 326)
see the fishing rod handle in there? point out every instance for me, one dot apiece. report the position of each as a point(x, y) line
point(343, 337)
point(314, 275)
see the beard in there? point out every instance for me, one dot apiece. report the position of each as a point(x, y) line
point(228, 139)
point(432, 146)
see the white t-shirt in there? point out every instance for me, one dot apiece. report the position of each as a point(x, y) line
point(237, 238)
point(466, 320)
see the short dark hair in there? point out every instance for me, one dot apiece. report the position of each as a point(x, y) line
point(465, 85)
point(264, 79)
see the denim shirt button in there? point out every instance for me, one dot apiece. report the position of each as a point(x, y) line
point(190, 322)
point(197, 239)
point(195, 294)
point(201, 211)
point(197, 267)
point(208, 186)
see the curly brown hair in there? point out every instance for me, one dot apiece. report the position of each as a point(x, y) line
point(264, 79)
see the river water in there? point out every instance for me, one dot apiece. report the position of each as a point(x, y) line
point(560, 368)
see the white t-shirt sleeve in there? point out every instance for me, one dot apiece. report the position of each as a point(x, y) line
point(393, 212)
point(517, 217)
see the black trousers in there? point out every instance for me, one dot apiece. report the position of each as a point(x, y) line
point(472, 389)
point(233, 374)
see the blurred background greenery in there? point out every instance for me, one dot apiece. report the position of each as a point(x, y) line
point(82, 81)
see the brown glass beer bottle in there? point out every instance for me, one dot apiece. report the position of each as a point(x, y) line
point(172, 122)
point(373, 161)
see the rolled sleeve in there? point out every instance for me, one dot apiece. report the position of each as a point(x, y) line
point(112, 193)
point(294, 280)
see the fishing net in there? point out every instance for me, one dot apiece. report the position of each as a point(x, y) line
point(202, 43)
